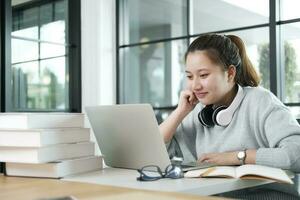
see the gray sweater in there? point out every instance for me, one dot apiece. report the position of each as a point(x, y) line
point(260, 122)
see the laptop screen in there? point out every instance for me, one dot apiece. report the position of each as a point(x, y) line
point(128, 135)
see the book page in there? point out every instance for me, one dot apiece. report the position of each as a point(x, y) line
point(264, 172)
point(221, 171)
point(197, 173)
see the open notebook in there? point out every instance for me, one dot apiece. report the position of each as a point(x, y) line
point(242, 172)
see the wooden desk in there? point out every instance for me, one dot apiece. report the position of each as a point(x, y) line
point(126, 178)
point(15, 188)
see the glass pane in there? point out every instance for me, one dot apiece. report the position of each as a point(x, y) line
point(24, 77)
point(153, 73)
point(290, 61)
point(53, 32)
point(39, 33)
point(40, 87)
point(216, 15)
point(60, 10)
point(30, 33)
point(22, 50)
point(144, 20)
point(47, 11)
point(257, 47)
point(26, 18)
point(51, 50)
point(54, 78)
point(295, 110)
point(289, 9)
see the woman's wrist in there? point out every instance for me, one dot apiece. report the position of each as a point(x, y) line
point(181, 113)
point(250, 156)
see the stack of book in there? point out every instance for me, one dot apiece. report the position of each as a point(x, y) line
point(52, 145)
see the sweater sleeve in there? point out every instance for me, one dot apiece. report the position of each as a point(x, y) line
point(282, 132)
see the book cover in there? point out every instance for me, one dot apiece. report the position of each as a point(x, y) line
point(242, 172)
point(40, 120)
point(46, 154)
point(57, 169)
point(42, 137)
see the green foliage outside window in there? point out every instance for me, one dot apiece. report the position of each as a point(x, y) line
point(289, 64)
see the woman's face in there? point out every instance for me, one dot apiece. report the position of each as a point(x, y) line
point(208, 81)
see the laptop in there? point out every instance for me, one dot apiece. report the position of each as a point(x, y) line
point(128, 136)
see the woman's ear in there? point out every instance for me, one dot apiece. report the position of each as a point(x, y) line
point(231, 72)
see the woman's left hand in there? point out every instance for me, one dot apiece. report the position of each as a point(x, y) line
point(225, 158)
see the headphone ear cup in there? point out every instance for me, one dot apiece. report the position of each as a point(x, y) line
point(215, 114)
point(205, 116)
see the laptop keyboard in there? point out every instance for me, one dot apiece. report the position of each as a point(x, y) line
point(196, 165)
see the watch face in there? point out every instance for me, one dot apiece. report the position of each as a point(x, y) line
point(241, 155)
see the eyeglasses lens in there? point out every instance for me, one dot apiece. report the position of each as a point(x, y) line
point(173, 172)
point(150, 173)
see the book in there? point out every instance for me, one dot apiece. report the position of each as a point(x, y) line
point(42, 137)
point(242, 172)
point(47, 153)
point(40, 120)
point(57, 169)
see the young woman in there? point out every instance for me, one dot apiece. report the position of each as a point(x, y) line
point(224, 117)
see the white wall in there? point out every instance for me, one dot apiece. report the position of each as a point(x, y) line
point(98, 53)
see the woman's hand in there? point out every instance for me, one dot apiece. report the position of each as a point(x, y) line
point(228, 158)
point(187, 101)
point(225, 158)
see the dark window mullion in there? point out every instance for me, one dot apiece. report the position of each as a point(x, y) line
point(39, 45)
point(53, 11)
point(274, 69)
point(41, 59)
point(6, 27)
point(193, 35)
point(288, 21)
point(74, 51)
point(2, 71)
point(118, 90)
point(188, 12)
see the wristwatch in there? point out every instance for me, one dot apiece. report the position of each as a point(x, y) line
point(241, 156)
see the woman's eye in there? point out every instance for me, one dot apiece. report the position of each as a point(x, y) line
point(203, 75)
point(189, 77)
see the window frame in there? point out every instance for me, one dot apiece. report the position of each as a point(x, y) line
point(276, 71)
point(73, 39)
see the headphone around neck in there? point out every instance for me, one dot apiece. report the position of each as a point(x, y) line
point(220, 115)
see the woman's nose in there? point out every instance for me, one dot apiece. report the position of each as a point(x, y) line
point(196, 84)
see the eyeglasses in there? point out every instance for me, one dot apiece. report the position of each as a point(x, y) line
point(153, 172)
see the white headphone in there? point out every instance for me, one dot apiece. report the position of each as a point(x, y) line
point(220, 115)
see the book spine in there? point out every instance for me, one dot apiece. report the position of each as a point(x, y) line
point(46, 154)
point(38, 120)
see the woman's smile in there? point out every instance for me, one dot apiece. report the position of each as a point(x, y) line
point(200, 95)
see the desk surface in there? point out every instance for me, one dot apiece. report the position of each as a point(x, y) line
point(197, 186)
point(35, 188)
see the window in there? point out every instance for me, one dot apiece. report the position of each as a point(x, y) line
point(152, 73)
point(257, 47)
point(144, 20)
point(289, 9)
point(44, 69)
point(270, 30)
point(288, 27)
point(227, 14)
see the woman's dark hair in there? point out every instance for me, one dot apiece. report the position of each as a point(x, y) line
point(227, 50)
